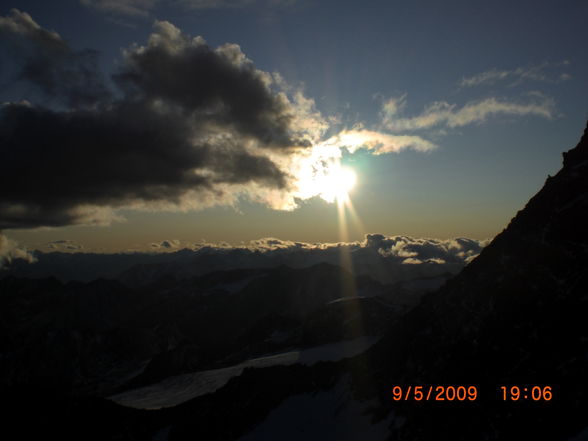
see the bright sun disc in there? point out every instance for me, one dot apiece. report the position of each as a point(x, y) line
point(337, 183)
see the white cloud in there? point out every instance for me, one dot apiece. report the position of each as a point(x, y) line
point(217, 4)
point(391, 108)
point(542, 72)
point(426, 249)
point(10, 250)
point(378, 142)
point(488, 77)
point(144, 8)
point(442, 113)
point(132, 8)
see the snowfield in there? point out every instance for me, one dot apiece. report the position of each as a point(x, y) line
point(181, 388)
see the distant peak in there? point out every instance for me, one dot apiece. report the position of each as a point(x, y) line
point(578, 153)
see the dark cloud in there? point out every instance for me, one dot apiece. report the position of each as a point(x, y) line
point(66, 165)
point(219, 87)
point(44, 59)
point(194, 127)
point(62, 162)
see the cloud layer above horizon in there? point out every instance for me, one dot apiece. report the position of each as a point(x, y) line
point(388, 259)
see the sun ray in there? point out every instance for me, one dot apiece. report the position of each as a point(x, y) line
point(358, 224)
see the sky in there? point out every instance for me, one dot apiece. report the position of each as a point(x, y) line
point(125, 123)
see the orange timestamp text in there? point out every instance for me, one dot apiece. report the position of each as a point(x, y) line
point(530, 393)
point(435, 393)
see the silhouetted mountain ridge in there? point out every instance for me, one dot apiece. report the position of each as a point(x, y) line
point(516, 315)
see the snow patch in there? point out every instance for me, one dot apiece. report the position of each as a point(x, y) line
point(181, 388)
point(327, 415)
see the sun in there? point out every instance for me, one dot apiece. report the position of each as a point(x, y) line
point(320, 173)
point(336, 183)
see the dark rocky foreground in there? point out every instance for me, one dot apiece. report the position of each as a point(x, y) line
point(515, 316)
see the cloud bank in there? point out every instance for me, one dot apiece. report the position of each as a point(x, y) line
point(397, 248)
point(388, 259)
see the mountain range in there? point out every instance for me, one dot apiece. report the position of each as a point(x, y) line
point(315, 352)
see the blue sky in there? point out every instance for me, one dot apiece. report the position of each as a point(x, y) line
point(496, 90)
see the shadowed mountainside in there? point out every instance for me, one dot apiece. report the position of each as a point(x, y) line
point(514, 316)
